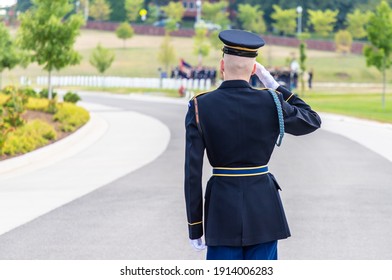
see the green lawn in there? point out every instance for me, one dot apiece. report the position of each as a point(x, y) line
point(140, 59)
point(366, 106)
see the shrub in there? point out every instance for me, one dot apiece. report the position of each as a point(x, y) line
point(5, 129)
point(71, 97)
point(44, 93)
point(42, 104)
point(9, 89)
point(14, 107)
point(36, 104)
point(343, 41)
point(52, 106)
point(28, 138)
point(28, 91)
point(70, 116)
point(3, 98)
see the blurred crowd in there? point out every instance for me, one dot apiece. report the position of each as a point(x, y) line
point(197, 73)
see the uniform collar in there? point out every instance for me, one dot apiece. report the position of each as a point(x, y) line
point(235, 84)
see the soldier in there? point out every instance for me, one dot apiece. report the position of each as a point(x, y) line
point(238, 127)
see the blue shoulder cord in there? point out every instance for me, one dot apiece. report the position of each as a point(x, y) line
point(280, 116)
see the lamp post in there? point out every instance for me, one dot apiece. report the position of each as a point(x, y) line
point(86, 10)
point(299, 25)
point(77, 5)
point(198, 10)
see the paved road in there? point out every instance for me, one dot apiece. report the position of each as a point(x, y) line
point(336, 194)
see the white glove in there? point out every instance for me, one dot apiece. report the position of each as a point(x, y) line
point(265, 77)
point(197, 244)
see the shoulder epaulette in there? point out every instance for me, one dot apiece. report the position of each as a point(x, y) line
point(275, 90)
point(194, 98)
point(262, 88)
point(200, 94)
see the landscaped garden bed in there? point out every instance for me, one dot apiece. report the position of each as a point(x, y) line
point(29, 120)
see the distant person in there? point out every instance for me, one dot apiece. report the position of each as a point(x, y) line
point(294, 68)
point(238, 126)
point(310, 77)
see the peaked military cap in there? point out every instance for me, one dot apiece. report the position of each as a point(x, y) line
point(240, 42)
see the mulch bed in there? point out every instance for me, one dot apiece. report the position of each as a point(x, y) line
point(33, 115)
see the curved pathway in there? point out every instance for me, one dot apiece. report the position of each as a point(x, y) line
point(336, 194)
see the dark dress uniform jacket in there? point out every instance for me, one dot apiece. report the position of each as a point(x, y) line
point(239, 128)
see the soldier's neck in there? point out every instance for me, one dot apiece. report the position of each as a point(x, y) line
point(228, 77)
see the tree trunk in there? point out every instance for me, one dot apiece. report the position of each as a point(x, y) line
point(49, 84)
point(86, 11)
point(384, 82)
point(302, 83)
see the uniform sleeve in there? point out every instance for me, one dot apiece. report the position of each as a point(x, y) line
point(299, 118)
point(194, 154)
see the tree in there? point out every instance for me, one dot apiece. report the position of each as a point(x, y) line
point(166, 54)
point(356, 22)
point(9, 57)
point(124, 31)
point(100, 10)
point(153, 13)
point(343, 6)
point(285, 20)
point(215, 42)
point(174, 12)
point(322, 21)
point(48, 35)
point(251, 18)
point(101, 58)
point(379, 30)
point(132, 7)
point(201, 44)
point(343, 41)
point(118, 13)
point(23, 5)
point(216, 13)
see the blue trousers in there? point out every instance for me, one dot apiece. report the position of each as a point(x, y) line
point(262, 251)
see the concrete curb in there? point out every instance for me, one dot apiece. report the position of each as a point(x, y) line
point(62, 149)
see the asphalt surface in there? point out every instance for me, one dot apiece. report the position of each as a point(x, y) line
point(336, 194)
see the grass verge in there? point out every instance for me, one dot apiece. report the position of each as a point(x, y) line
point(123, 90)
point(365, 106)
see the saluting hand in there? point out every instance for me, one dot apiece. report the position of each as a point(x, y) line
point(265, 77)
point(197, 244)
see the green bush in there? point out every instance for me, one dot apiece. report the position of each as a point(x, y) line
point(28, 91)
point(52, 106)
point(71, 97)
point(42, 104)
point(27, 138)
point(9, 89)
point(5, 129)
point(70, 116)
point(36, 104)
point(13, 109)
point(3, 98)
point(44, 93)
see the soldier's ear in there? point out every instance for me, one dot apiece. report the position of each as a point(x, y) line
point(254, 69)
point(222, 69)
